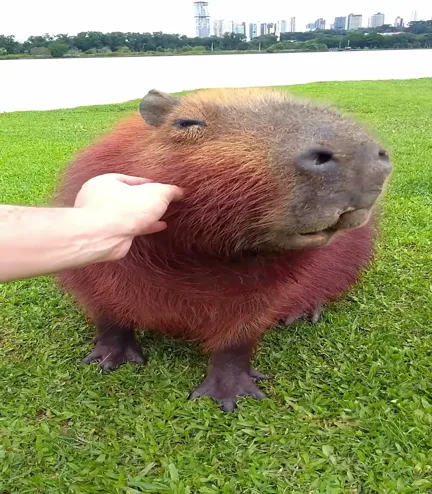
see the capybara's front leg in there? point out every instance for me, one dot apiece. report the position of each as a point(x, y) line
point(115, 345)
point(230, 376)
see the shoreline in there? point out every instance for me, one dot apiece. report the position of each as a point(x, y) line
point(207, 53)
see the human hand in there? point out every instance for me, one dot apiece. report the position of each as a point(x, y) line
point(136, 203)
point(110, 210)
point(124, 208)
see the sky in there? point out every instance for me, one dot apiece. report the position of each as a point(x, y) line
point(30, 17)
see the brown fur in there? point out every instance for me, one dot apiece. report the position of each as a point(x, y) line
point(220, 274)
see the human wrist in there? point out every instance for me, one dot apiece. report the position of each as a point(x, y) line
point(102, 234)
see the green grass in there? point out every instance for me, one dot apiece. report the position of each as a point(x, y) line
point(349, 409)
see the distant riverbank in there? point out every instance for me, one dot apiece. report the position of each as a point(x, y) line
point(22, 56)
point(95, 44)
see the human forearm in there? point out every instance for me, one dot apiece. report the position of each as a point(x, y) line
point(110, 210)
point(39, 241)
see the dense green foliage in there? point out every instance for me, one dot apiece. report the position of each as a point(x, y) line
point(349, 408)
point(416, 35)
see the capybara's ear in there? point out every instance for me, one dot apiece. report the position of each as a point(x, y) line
point(155, 106)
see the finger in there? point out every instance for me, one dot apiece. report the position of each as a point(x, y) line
point(159, 226)
point(169, 192)
point(125, 179)
point(131, 180)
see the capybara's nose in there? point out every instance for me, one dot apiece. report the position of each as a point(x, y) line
point(385, 164)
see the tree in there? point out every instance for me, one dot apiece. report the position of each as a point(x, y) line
point(85, 41)
point(314, 46)
point(417, 35)
point(9, 44)
point(427, 40)
point(115, 40)
point(265, 41)
point(64, 38)
point(58, 50)
point(306, 36)
point(328, 40)
point(38, 41)
point(375, 40)
point(243, 46)
point(356, 40)
point(420, 27)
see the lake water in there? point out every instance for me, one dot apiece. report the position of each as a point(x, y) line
point(51, 84)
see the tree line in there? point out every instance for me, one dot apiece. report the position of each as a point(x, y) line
point(415, 35)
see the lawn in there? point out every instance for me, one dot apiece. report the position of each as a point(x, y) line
point(350, 405)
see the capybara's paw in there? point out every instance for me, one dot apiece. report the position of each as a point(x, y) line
point(226, 387)
point(313, 316)
point(111, 358)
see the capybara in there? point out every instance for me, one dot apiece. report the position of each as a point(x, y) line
point(277, 221)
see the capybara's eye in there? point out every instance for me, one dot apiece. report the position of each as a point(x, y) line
point(321, 157)
point(183, 123)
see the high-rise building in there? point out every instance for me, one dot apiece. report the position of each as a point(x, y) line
point(414, 16)
point(202, 19)
point(354, 22)
point(340, 23)
point(267, 28)
point(399, 22)
point(377, 20)
point(253, 30)
point(222, 27)
point(282, 26)
point(292, 25)
point(239, 28)
point(217, 28)
point(320, 23)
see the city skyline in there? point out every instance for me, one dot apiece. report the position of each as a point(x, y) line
point(177, 16)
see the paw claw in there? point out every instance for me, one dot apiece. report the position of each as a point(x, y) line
point(196, 393)
point(228, 405)
point(226, 389)
point(111, 358)
point(315, 316)
point(259, 395)
point(91, 357)
point(257, 376)
point(109, 367)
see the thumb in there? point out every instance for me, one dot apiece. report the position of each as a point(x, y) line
point(156, 227)
point(168, 192)
point(131, 180)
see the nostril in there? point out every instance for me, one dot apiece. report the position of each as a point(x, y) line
point(317, 161)
point(383, 155)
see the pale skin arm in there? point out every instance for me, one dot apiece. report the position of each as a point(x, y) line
point(110, 210)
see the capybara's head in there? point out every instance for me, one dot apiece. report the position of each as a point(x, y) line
point(262, 170)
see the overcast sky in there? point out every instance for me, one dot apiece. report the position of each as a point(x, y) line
point(27, 17)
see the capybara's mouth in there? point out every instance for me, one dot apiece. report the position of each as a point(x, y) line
point(347, 221)
point(351, 220)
